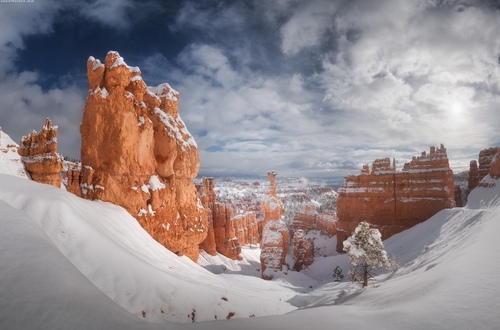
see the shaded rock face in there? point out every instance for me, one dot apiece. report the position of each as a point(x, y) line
point(473, 176)
point(304, 221)
point(478, 172)
point(137, 153)
point(308, 219)
point(207, 197)
point(394, 201)
point(275, 236)
point(38, 152)
point(228, 228)
point(458, 197)
point(303, 250)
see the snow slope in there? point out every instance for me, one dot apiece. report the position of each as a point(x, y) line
point(110, 248)
point(447, 279)
point(10, 161)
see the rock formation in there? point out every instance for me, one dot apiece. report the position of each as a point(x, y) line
point(308, 219)
point(207, 197)
point(303, 250)
point(137, 152)
point(394, 201)
point(275, 237)
point(38, 152)
point(477, 173)
point(495, 166)
point(228, 227)
point(458, 196)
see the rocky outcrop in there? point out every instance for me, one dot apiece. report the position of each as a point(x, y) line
point(393, 201)
point(305, 221)
point(137, 153)
point(495, 166)
point(485, 159)
point(38, 152)
point(229, 227)
point(477, 173)
point(275, 237)
point(308, 219)
point(303, 250)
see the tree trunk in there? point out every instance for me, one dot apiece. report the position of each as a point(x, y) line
point(365, 275)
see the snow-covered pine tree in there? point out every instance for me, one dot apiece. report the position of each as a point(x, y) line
point(366, 253)
point(337, 274)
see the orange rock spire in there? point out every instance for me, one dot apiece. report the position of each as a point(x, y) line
point(38, 152)
point(137, 153)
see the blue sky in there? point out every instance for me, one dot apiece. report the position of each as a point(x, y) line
point(308, 88)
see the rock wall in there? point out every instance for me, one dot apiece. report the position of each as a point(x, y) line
point(137, 153)
point(38, 152)
point(275, 236)
point(393, 201)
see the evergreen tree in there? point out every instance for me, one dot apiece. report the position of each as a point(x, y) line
point(337, 274)
point(366, 253)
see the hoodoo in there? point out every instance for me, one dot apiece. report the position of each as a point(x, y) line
point(275, 237)
point(38, 152)
point(137, 153)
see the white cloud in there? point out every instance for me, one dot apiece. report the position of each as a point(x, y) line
point(307, 26)
point(113, 13)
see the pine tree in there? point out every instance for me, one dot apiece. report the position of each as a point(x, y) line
point(337, 274)
point(366, 253)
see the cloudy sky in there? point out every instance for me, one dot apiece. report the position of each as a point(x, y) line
point(312, 88)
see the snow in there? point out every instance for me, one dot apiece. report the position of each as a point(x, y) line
point(96, 63)
point(164, 90)
point(155, 183)
point(176, 129)
point(69, 263)
point(118, 62)
point(10, 160)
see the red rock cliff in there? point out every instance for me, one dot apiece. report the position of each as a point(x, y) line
point(38, 152)
point(394, 201)
point(275, 237)
point(137, 153)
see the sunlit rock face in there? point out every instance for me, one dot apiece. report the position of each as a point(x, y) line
point(275, 237)
point(38, 152)
point(228, 228)
point(137, 153)
point(394, 201)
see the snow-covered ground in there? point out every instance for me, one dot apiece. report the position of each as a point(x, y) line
point(69, 263)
